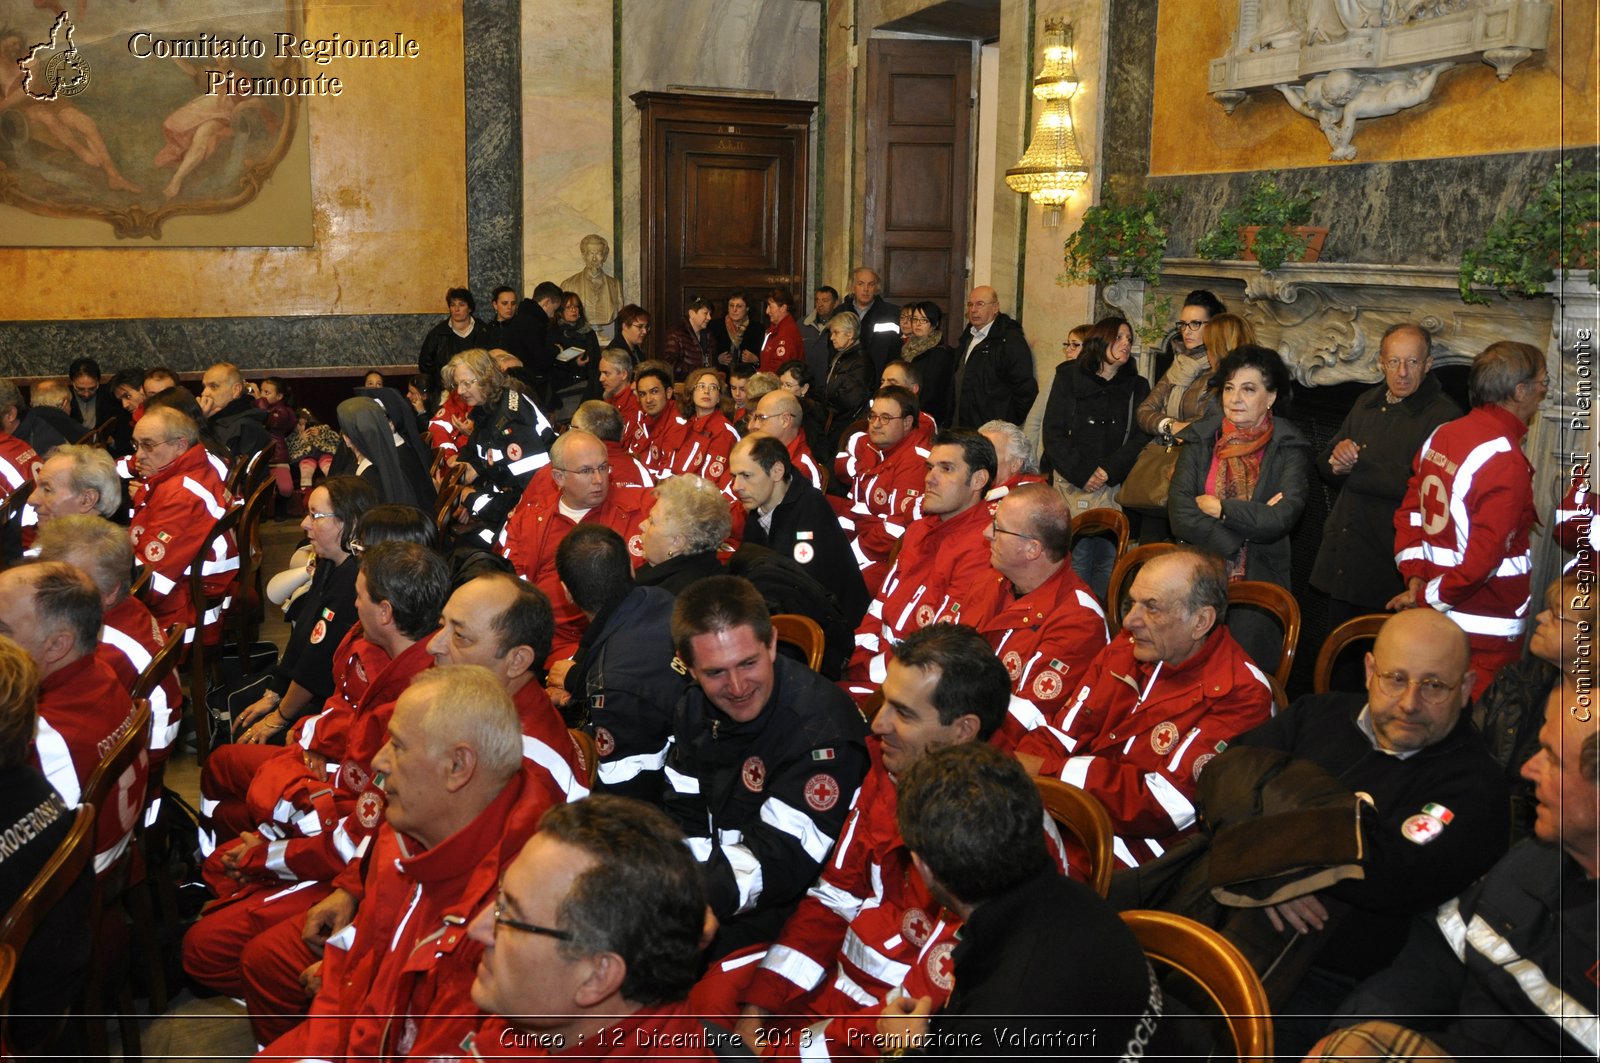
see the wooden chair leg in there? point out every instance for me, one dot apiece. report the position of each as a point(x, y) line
point(141, 913)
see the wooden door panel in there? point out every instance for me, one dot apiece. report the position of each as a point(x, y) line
point(919, 167)
point(724, 203)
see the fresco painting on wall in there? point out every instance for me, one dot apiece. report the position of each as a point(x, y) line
point(132, 114)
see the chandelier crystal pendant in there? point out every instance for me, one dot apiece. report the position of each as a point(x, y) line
point(1052, 168)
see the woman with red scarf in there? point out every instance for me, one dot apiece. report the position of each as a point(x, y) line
point(1241, 481)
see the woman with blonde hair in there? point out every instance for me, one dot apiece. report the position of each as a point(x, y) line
point(510, 438)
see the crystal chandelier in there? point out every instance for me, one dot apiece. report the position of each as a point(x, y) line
point(1052, 167)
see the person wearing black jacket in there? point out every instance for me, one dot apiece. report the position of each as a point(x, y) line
point(793, 518)
point(624, 681)
point(879, 320)
point(766, 757)
point(510, 438)
point(240, 423)
point(1091, 437)
point(994, 366)
point(456, 333)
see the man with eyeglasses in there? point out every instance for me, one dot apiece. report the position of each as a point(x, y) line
point(459, 801)
point(884, 497)
point(1435, 817)
point(176, 501)
point(1463, 532)
point(592, 942)
point(994, 365)
point(1153, 707)
point(1369, 461)
point(779, 414)
point(1042, 620)
point(576, 489)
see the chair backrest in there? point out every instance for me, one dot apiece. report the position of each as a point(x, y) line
point(1356, 629)
point(803, 633)
point(257, 469)
point(1212, 963)
point(1283, 607)
point(161, 665)
point(97, 436)
point(448, 480)
point(228, 522)
point(1082, 815)
point(52, 882)
point(141, 582)
point(1122, 575)
point(8, 970)
point(247, 600)
point(1103, 521)
point(588, 754)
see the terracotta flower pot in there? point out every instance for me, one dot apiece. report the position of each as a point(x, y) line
point(1315, 236)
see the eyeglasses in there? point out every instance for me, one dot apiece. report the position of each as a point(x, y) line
point(885, 418)
point(1409, 364)
point(603, 469)
point(983, 302)
point(314, 515)
point(501, 919)
point(1431, 691)
point(145, 446)
point(1189, 326)
point(761, 418)
point(994, 526)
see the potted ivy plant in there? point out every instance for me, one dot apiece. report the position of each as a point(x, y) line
point(1268, 227)
point(1521, 250)
point(1119, 238)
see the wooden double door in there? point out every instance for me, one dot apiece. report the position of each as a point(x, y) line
point(724, 183)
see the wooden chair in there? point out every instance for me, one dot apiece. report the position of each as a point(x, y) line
point(162, 664)
point(54, 880)
point(257, 470)
point(113, 885)
point(97, 436)
point(8, 971)
point(1356, 629)
point(1085, 818)
point(11, 512)
point(804, 634)
point(1122, 575)
point(1103, 521)
point(244, 615)
point(588, 754)
point(1209, 960)
point(201, 661)
point(1273, 599)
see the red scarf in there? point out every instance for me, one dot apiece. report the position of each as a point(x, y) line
point(1236, 466)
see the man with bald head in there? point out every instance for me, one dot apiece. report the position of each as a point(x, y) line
point(575, 489)
point(1438, 816)
point(994, 365)
point(176, 500)
point(779, 414)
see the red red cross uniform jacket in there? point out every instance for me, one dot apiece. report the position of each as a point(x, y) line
point(535, 531)
point(626, 470)
point(16, 464)
point(782, 343)
point(666, 1031)
point(129, 638)
point(443, 434)
point(1045, 638)
point(800, 455)
point(666, 434)
point(941, 561)
point(1138, 735)
point(858, 932)
point(83, 711)
point(1464, 526)
point(173, 513)
point(403, 987)
point(883, 501)
point(705, 452)
point(635, 433)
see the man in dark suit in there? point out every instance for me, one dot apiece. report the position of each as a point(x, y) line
point(994, 365)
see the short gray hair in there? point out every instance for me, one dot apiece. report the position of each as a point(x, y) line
point(699, 512)
point(599, 418)
point(845, 321)
point(1018, 445)
point(470, 705)
point(95, 545)
point(92, 470)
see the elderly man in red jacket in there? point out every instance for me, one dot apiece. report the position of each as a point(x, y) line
point(459, 804)
point(1156, 705)
point(176, 501)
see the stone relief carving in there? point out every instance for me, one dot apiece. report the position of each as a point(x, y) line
point(1340, 61)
